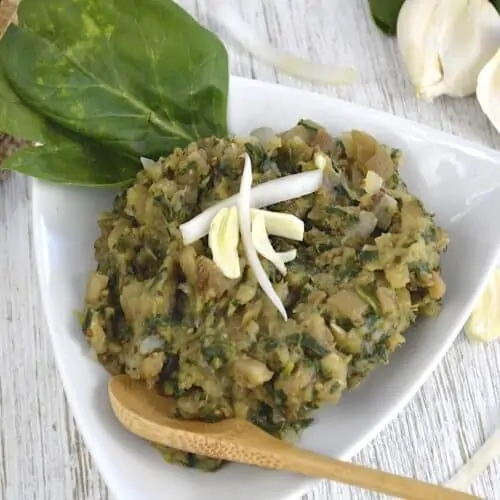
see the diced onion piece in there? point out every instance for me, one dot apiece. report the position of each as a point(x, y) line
point(364, 227)
point(471, 470)
point(280, 224)
point(372, 183)
point(244, 201)
point(262, 244)
point(320, 160)
point(267, 53)
point(263, 195)
point(223, 239)
point(147, 162)
point(150, 344)
point(263, 134)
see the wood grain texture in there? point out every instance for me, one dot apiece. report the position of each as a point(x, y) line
point(41, 454)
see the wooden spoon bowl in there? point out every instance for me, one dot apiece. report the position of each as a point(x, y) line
point(148, 415)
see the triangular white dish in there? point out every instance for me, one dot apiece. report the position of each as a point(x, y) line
point(456, 179)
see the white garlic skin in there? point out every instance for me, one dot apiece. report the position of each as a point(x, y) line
point(488, 90)
point(446, 43)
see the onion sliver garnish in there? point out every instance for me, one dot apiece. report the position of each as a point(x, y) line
point(263, 195)
point(268, 54)
point(479, 461)
point(262, 244)
point(280, 224)
point(147, 162)
point(244, 206)
point(288, 256)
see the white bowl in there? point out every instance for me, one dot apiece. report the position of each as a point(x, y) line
point(458, 180)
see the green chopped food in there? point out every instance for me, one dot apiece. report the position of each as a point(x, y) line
point(164, 312)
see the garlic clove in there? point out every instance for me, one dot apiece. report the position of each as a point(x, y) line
point(439, 58)
point(488, 90)
point(483, 324)
point(281, 224)
point(262, 244)
point(416, 45)
point(223, 239)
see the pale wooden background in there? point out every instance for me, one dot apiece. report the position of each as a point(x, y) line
point(41, 454)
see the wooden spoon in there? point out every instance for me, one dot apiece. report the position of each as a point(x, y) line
point(146, 414)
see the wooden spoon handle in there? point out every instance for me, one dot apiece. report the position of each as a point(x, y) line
point(311, 464)
point(146, 414)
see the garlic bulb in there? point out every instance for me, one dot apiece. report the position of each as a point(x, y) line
point(488, 90)
point(445, 44)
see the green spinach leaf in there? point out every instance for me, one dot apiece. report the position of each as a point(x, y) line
point(385, 14)
point(496, 4)
point(16, 118)
point(81, 162)
point(101, 82)
point(140, 75)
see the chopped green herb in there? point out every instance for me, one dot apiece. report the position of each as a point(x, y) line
point(312, 347)
point(368, 256)
point(294, 339)
point(393, 181)
point(87, 320)
point(310, 125)
point(343, 214)
point(371, 319)
point(420, 267)
point(368, 298)
point(349, 270)
point(381, 352)
point(256, 153)
point(213, 351)
point(271, 345)
point(429, 234)
point(190, 166)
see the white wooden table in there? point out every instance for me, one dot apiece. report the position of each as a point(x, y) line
point(41, 454)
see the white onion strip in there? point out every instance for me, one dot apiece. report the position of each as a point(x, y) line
point(288, 256)
point(482, 458)
point(262, 244)
point(263, 195)
point(285, 62)
point(283, 225)
point(147, 162)
point(244, 205)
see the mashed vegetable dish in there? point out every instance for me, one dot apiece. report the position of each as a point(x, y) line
point(367, 267)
